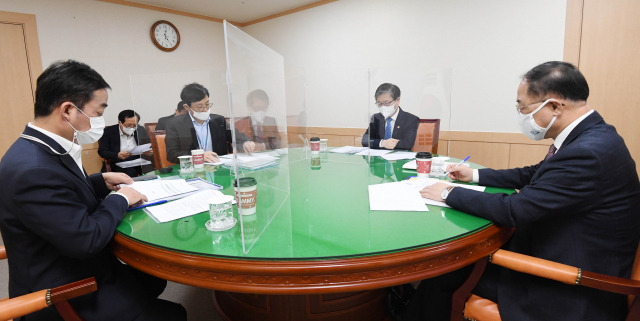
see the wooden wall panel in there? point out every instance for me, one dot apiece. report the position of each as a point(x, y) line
point(494, 155)
point(525, 155)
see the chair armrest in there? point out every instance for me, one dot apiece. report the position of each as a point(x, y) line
point(564, 273)
point(3, 253)
point(29, 303)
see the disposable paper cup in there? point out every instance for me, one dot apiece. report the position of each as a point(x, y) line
point(423, 162)
point(246, 194)
point(323, 144)
point(198, 158)
point(186, 164)
point(315, 145)
point(438, 166)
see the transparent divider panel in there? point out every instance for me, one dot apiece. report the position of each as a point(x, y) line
point(258, 125)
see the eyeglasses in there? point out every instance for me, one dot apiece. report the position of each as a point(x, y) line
point(203, 107)
point(386, 103)
point(519, 108)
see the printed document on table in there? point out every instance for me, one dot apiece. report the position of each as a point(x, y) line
point(396, 196)
point(374, 152)
point(157, 190)
point(190, 205)
point(348, 150)
point(133, 163)
point(399, 155)
point(140, 149)
point(419, 184)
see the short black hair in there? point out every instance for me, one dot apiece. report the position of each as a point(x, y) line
point(180, 107)
point(388, 88)
point(557, 78)
point(258, 94)
point(128, 113)
point(66, 81)
point(192, 93)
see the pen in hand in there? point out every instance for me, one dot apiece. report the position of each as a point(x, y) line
point(460, 163)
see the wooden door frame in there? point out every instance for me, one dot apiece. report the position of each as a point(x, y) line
point(28, 23)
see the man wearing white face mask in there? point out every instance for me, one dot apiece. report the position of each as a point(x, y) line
point(57, 221)
point(118, 140)
point(260, 128)
point(199, 129)
point(392, 128)
point(579, 206)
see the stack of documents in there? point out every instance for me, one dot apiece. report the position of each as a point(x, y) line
point(133, 163)
point(253, 162)
point(190, 205)
point(348, 150)
point(159, 190)
point(140, 149)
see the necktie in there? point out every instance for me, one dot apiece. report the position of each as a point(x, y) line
point(552, 150)
point(387, 130)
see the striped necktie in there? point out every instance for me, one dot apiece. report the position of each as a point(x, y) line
point(387, 130)
point(552, 151)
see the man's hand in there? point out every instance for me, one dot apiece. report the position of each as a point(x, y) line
point(124, 154)
point(460, 173)
point(148, 153)
point(114, 180)
point(211, 157)
point(434, 191)
point(389, 143)
point(133, 195)
point(249, 147)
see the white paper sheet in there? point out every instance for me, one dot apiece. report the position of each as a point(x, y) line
point(413, 165)
point(348, 150)
point(374, 152)
point(134, 163)
point(156, 190)
point(419, 184)
point(396, 196)
point(140, 149)
point(399, 155)
point(190, 205)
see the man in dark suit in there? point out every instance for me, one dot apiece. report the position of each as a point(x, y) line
point(392, 127)
point(199, 129)
point(579, 206)
point(260, 128)
point(163, 121)
point(118, 141)
point(56, 221)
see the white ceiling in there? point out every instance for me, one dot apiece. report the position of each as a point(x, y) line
point(241, 11)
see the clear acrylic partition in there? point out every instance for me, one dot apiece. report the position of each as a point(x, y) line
point(423, 93)
point(259, 121)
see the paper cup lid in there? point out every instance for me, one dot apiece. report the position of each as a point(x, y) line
point(245, 182)
point(423, 155)
point(314, 139)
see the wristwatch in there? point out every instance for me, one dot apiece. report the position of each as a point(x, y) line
point(445, 192)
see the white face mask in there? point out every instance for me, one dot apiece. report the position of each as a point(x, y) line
point(387, 111)
point(529, 127)
point(128, 131)
point(258, 116)
point(93, 134)
point(201, 115)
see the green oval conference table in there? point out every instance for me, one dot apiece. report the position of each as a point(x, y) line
point(314, 250)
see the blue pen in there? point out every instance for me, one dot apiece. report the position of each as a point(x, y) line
point(146, 204)
point(462, 161)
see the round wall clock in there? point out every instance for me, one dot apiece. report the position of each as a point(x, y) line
point(165, 35)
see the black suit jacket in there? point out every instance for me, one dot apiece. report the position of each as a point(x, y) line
point(163, 121)
point(181, 136)
point(580, 207)
point(109, 148)
point(406, 129)
point(56, 225)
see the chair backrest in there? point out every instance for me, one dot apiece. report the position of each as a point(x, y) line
point(427, 136)
point(162, 151)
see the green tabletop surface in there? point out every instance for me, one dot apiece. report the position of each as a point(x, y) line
point(308, 211)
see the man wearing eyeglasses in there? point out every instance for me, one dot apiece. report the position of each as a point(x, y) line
point(392, 127)
point(118, 141)
point(199, 129)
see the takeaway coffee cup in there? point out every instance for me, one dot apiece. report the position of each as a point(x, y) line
point(315, 145)
point(246, 194)
point(198, 158)
point(423, 162)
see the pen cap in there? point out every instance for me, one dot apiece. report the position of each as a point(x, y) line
point(423, 155)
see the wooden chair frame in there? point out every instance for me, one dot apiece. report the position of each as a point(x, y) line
point(427, 141)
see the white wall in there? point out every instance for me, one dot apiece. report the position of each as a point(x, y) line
point(115, 41)
point(347, 48)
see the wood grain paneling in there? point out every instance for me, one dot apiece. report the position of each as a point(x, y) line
point(494, 155)
point(525, 155)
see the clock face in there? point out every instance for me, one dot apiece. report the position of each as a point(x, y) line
point(165, 35)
